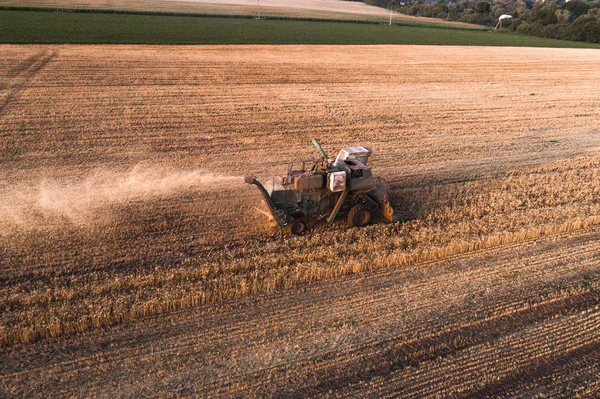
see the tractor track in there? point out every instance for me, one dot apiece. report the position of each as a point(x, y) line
point(515, 358)
point(23, 75)
point(387, 357)
point(578, 358)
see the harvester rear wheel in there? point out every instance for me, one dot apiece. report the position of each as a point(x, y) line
point(298, 226)
point(359, 216)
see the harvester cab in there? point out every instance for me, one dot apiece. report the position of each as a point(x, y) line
point(353, 161)
point(326, 188)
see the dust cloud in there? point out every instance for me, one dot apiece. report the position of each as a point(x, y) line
point(52, 202)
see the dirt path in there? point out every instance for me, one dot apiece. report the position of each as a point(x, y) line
point(515, 320)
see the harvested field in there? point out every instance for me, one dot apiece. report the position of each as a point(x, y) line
point(122, 210)
point(447, 328)
point(328, 9)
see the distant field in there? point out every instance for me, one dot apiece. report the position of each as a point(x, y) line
point(332, 9)
point(99, 28)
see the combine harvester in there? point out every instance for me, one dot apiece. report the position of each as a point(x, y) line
point(326, 188)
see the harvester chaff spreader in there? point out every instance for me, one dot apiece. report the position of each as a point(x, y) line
point(326, 187)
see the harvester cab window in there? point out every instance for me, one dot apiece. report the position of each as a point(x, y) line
point(356, 168)
point(362, 159)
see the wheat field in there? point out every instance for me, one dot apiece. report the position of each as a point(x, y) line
point(132, 255)
point(331, 9)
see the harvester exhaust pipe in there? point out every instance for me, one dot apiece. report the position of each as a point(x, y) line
point(320, 149)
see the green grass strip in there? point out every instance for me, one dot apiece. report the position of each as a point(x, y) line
point(111, 28)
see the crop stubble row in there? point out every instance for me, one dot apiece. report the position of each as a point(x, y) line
point(494, 147)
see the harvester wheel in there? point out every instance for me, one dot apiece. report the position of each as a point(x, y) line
point(298, 226)
point(359, 216)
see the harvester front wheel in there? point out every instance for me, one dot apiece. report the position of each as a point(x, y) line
point(359, 216)
point(298, 226)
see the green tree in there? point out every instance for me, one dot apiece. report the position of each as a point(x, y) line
point(482, 7)
point(576, 8)
point(544, 14)
point(584, 29)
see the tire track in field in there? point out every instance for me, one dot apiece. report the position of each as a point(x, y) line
point(513, 357)
point(24, 74)
point(540, 368)
point(5, 82)
point(383, 358)
point(578, 378)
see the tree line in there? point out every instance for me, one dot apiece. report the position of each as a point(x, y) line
point(576, 20)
